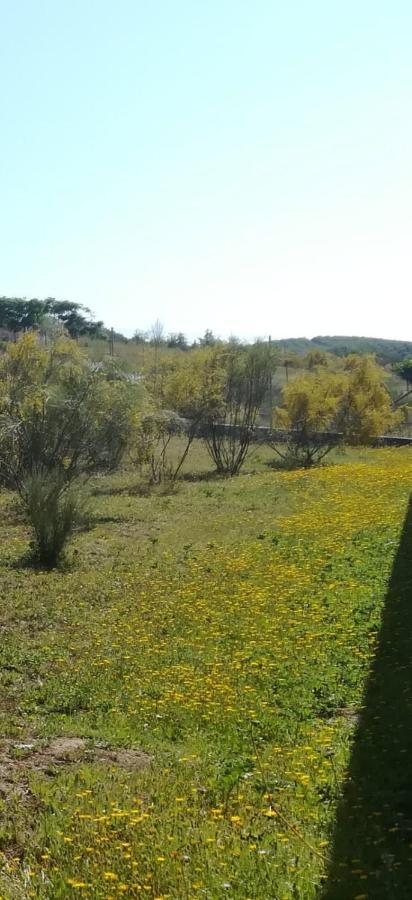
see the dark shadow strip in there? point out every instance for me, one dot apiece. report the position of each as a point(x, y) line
point(372, 842)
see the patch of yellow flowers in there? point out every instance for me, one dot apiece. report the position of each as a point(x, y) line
point(233, 673)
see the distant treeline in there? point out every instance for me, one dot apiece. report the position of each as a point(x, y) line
point(386, 351)
point(19, 314)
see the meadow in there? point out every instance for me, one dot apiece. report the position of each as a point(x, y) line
point(245, 640)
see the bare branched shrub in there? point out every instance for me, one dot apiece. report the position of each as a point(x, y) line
point(245, 381)
point(153, 445)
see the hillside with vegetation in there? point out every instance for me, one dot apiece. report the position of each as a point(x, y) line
point(386, 351)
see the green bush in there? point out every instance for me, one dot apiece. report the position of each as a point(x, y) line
point(59, 412)
point(54, 510)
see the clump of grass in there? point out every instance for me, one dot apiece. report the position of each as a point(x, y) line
point(54, 509)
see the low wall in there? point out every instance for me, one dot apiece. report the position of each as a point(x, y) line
point(263, 433)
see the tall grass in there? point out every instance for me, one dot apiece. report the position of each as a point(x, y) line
point(54, 510)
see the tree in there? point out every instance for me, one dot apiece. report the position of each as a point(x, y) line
point(234, 341)
point(177, 341)
point(324, 409)
point(185, 393)
point(152, 445)
point(60, 411)
point(51, 329)
point(61, 418)
point(315, 358)
point(156, 337)
point(309, 418)
point(156, 333)
point(18, 315)
point(208, 339)
point(366, 408)
point(404, 370)
point(140, 337)
point(75, 317)
point(194, 390)
point(244, 380)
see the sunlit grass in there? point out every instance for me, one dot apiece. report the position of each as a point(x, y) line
point(228, 631)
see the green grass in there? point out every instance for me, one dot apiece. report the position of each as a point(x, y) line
point(232, 631)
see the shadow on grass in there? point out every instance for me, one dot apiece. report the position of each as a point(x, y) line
point(139, 489)
point(203, 476)
point(30, 561)
point(372, 847)
point(282, 465)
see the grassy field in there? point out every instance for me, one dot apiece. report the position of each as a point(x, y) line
point(247, 642)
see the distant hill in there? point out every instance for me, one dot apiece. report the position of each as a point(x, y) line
point(387, 351)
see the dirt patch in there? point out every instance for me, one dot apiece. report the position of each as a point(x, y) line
point(65, 749)
point(19, 758)
point(125, 759)
point(349, 713)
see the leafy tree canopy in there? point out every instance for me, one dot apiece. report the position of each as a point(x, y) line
point(60, 413)
point(404, 369)
point(354, 403)
point(18, 314)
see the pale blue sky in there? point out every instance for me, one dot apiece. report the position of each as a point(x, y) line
point(240, 166)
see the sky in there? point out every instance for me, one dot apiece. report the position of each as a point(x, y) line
point(244, 167)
